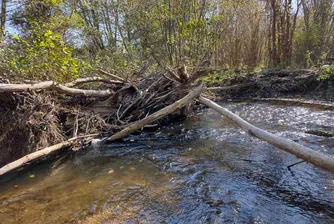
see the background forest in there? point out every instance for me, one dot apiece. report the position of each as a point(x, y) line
point(60, 40)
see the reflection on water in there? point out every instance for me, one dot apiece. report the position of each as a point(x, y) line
point(203, 170)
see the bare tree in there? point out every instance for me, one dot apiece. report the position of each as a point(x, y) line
point(3, 20)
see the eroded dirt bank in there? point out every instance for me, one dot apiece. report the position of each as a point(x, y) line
point(295, 84)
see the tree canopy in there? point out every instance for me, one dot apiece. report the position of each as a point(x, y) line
point(60, 40)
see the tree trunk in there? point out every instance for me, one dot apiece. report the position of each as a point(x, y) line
point(50, 85)
point(274, 46)
point(33, 156)
point(3, 20)
point(318, 159)
point(42, 153)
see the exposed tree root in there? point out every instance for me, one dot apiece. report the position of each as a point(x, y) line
point(29, 122)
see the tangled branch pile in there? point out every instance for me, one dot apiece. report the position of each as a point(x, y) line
point(36, 115)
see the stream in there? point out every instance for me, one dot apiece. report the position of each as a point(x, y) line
point(201, 170)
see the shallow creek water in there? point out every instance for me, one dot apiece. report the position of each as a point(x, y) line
point(202, 170)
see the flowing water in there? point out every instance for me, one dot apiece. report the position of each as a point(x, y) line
point(202, 170)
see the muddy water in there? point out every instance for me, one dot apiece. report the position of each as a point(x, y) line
point(202, 170)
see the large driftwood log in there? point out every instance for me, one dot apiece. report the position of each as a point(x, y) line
point(41, 153)
point(318, 159)
point(50, 85)
point(25, 87)
point(157, 115)
point(33, 156)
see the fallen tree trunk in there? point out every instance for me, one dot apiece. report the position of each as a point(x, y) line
point(318, 159)
point(157, 115)
point(33, 156)
point(39, 154)
point(50, 85)
point(25, 87)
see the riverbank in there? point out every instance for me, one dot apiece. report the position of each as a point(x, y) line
point(301, 84)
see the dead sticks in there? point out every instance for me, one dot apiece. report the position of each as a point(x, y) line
point(125, 132)
point(157, 115)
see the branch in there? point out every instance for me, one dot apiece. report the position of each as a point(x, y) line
point(173, 74)
point(82, 92)
point(115, 77)
point(91, 79)
point(198, 74)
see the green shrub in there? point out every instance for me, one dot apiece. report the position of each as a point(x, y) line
point(40, 52)
point(326, 72)
point(45, 58)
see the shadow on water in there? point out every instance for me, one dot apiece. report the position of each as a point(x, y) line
point(202, 170)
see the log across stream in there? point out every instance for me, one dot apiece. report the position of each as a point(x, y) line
point(204, 168)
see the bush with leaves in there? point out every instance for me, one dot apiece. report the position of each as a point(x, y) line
point(326, 72)
point(40, 52)
point(45, 58)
